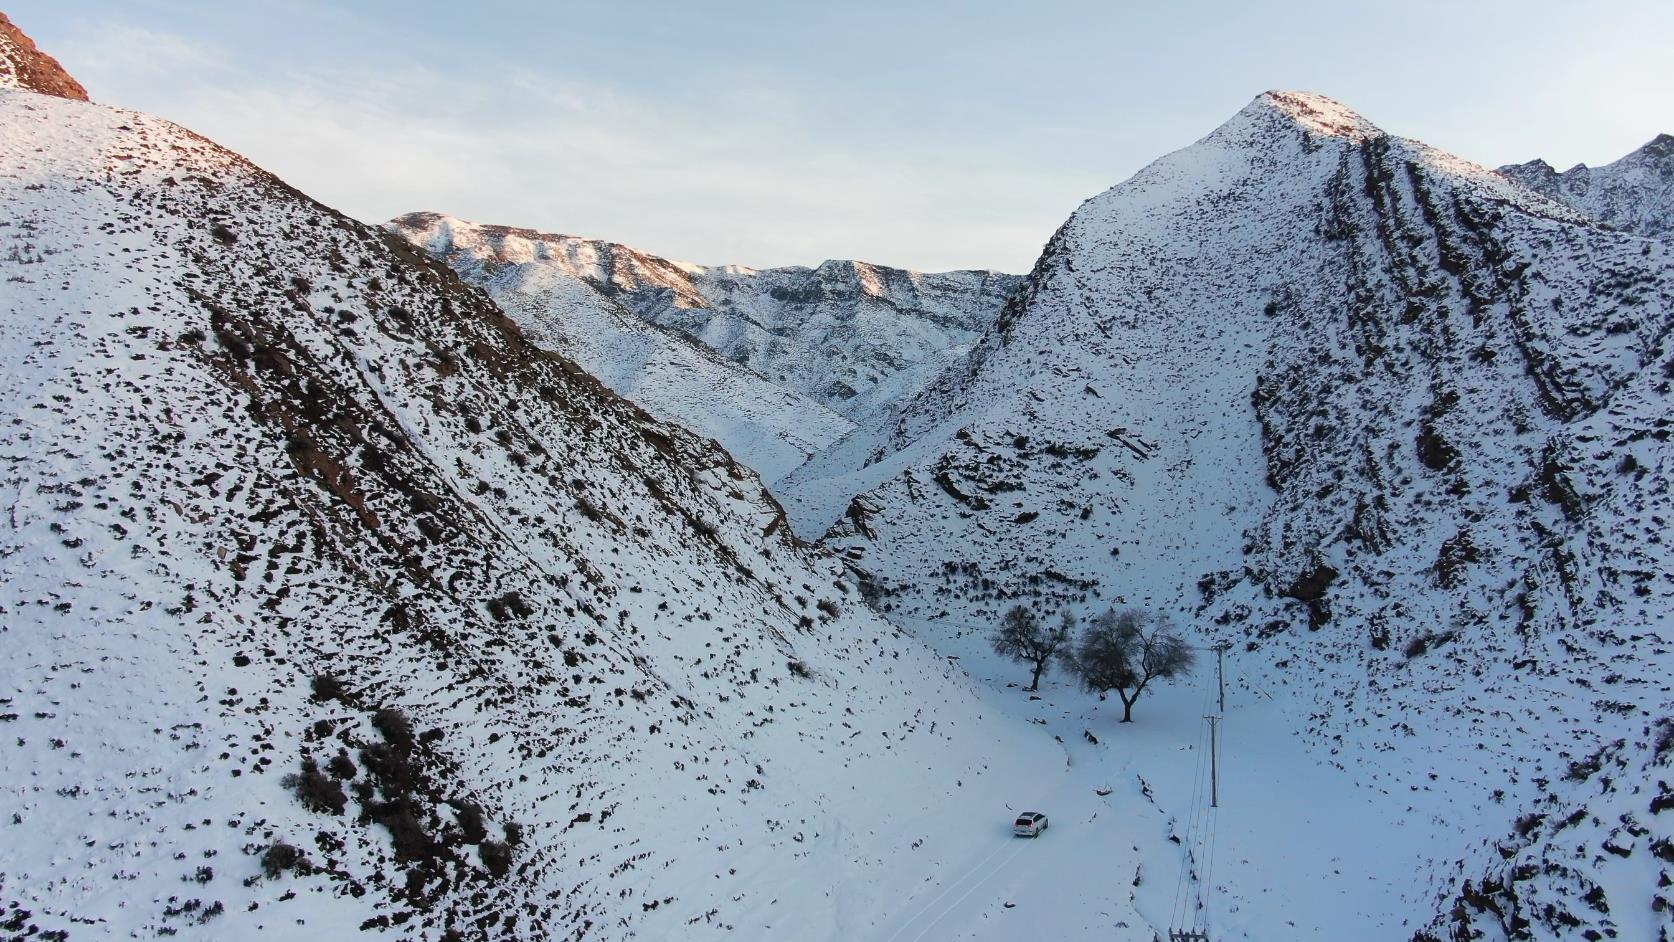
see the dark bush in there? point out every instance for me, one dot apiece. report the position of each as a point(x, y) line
point(470, 821)
point(281, 857)
point(396, 727)
point(341, 766)
point(496, 856)
point(514, 833)
point(798, 668)
point(401, 818)
point(319, 791)
point(509, 605)
point(390, 766)
point(328, 688)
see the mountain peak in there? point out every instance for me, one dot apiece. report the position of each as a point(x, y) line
point(24, 66)
point(1658, 147)
point(1317, 113)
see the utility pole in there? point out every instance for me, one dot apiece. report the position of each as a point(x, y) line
point(1220, 669)
point(1214, 763)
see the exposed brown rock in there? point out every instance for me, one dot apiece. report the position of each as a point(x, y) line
point(24, 66)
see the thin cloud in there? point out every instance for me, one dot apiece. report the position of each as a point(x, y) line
point(743, 178)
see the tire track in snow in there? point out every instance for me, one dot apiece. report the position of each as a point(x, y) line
point(976, 876)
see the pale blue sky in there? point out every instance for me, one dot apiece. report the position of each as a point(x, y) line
point(933, 135)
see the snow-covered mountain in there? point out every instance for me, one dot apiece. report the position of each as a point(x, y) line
point(330, 601)
point(1395, 426)
point(1634, 194)
point(534, 279)
point(850, 335)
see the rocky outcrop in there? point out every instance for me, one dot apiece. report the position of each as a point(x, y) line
point(24, 66)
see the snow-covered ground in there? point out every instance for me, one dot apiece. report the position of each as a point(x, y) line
point(291, 512)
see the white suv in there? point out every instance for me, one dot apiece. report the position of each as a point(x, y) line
point(1029, 824)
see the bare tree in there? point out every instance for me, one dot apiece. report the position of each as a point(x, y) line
point(1125, 650)
point(1021, 637)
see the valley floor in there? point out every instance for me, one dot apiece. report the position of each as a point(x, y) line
point(1301, 850)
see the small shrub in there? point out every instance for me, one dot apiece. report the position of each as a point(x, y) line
point(496, 856)
point(281, 857)
point(389, 765)
point(317, 790)
point(341, 766)
point(395, 725)
point(799, 669)
point(470, 822)
point(509, 605)
point(328, 688)
point(411, 840)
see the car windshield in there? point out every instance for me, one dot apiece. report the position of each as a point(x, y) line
point(1025, 821)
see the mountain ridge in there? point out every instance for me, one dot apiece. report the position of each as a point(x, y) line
point(1634, 193)
point(769, 428)
point(832, 332)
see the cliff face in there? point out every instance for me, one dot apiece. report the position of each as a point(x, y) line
point(1391, 424)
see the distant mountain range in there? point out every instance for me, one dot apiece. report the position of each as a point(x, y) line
point(776, 364)
point(1634, 194)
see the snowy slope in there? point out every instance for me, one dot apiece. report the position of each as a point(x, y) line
point(1634, 194)
point(768, 428)
point(305, 546)
point(844, 334)
point(1394, 426)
